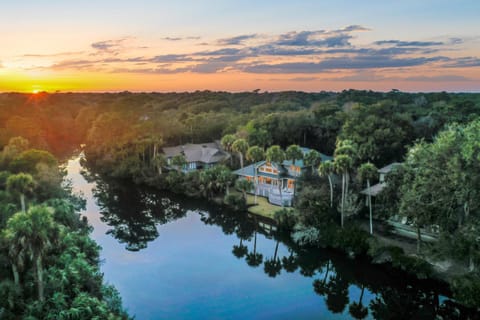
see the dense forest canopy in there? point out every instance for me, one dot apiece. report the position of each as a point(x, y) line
point(435, 135)
point(375, 121)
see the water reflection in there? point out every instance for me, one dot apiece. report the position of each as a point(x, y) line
point(348, 288)
point(134, 213)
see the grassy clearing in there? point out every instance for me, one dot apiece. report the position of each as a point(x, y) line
point(262, 208)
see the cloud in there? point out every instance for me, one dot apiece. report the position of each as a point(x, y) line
point(170, 58)
point(220, 52)
point(354, 27)
point(180, 38)
point(455, 41)
point(399, 43)
point(52, 55)
point(314, 38)
point(444, 78)
point(306, 52)
point(110, 46)
point(235, 40)
point(359, 62)
point(464, 62)
point(360, 75)
point(367, 75)
point(303, 79)
point(320, 38)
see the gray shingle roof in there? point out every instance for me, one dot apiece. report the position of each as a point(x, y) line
point(204, 152)
point(374, 190)
point(389, 168)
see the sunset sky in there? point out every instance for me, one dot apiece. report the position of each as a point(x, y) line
point(310, 45)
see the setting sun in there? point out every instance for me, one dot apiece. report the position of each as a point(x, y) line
point(35, 91)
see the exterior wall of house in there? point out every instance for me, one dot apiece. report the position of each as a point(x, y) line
point(295, 171)
point(267, 168)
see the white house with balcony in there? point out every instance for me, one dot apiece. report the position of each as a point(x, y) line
point(276, 181)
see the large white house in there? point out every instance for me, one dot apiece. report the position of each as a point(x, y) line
point(276, 181)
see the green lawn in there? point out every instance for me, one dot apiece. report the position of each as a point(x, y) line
point(262, 208)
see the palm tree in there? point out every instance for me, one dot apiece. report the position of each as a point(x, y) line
point(343, 164)
point(34, 231)
point(368, 171)
point(21, 184)
point(325, 169)
point(225, 178)
point(159, 162)
point(240, 146)
point(244, 186)
point(275, 154)
point(313, 159)
point(294, 152)
point(255, 154)
point(227, 142)
point(15, 253)
point(346, 147)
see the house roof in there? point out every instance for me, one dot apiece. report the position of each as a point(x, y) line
point(374, 190)
point(389, 168)
point(249, 171)
point(204, 152)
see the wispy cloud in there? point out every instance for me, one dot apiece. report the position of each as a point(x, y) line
point(399, 43)
point(180, 38)
point(339, 63)
point(114, 46)
point(235, 40)
point(443, 78)
point(464, 62)
point(52, 55)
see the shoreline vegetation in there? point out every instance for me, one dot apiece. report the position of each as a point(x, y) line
point(434, 135)
point(50, 267)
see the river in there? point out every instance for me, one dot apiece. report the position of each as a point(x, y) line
point(177, 258)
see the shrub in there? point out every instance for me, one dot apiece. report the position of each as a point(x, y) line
point(286, 220)
point(235, 201)
point(352, 240)
point(466, 290)
point(305, 236)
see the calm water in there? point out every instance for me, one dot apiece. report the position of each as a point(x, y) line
point(177, 258)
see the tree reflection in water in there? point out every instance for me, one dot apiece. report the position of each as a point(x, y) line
point(273, 266)
point(134, 214)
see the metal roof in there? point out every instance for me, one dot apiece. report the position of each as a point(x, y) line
point(389, 168)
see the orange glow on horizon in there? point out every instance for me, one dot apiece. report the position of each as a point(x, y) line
point(82, 81)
